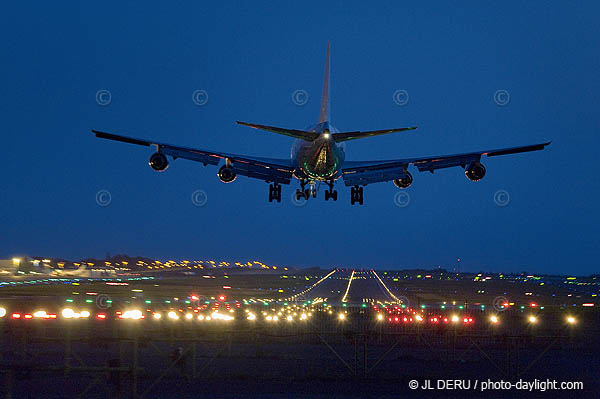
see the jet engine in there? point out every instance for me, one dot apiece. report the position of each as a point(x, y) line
point(475, 171)
point(404, 182)
point(158, 162)
point(226, 174)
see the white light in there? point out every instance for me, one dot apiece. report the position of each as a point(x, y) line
point(326, 135)
point(454, 319)
point(571, 320)
point(251, 316)
point(219, 316)
point(303, 316)
point(532, 319)
point(379, 316)
point(84, 313)
point(189, 316)
point(172, 315)
point(341, 316)
point(39, 313)
point(68, 313)
point(156, 316)
point(130, 314)
point(2, 312)
point(289, 318)
point(200, 317)
point(494, 319)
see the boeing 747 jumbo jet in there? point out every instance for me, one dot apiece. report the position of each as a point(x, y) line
point(318, 156)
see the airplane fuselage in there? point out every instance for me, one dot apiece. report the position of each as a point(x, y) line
point(321, 159)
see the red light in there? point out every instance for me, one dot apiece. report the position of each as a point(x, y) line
point(445, 320)
point(101, 316)
point(237, 304)
point(533, 305)
point(194, 298)
point(588, 305)
point(221, 298)
point(16, 315)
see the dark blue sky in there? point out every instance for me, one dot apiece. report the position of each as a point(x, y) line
point(450, 58)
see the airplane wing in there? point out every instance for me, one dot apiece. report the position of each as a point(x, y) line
point(267, 169)
point(367, 172)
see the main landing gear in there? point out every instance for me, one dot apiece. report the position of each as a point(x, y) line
point(275, 192)
point(356, 195)
point(331, 193)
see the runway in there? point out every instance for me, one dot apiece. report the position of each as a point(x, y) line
point(350, 287)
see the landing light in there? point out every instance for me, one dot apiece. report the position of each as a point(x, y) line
point(494, 319)
point(571, 320)
point(2, 312)
point(341, 316)
point(532, 319)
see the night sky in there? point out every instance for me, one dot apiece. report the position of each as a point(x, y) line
point(450, 58)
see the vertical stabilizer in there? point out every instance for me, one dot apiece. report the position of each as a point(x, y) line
point(324, 114)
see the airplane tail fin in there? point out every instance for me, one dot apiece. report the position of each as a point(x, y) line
point(324, 113)
point(345, 136)
point(298, 134)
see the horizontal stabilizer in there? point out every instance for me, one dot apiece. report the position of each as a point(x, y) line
point(345, 136)
point(298, 134)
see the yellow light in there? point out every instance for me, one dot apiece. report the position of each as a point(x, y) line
point(289, 318)
point(40, 313)
point(571, 320)
point(532, 319)
point(134, 314)
point(303, 316)
point(341, 316)
point(156, 316)
point(172, 315)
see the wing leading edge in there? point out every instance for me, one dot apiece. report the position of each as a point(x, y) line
point(267, 169)
point(367, 172)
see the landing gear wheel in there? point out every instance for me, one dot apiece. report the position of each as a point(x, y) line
point(356, 195)
point(275, 192)
point(330, 194)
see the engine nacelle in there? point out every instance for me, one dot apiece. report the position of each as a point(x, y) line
point(158, 162)
point(404, 182)
point(475, 171)
point(226, 174)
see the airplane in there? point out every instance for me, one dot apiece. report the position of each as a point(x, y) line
point(318, 155)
